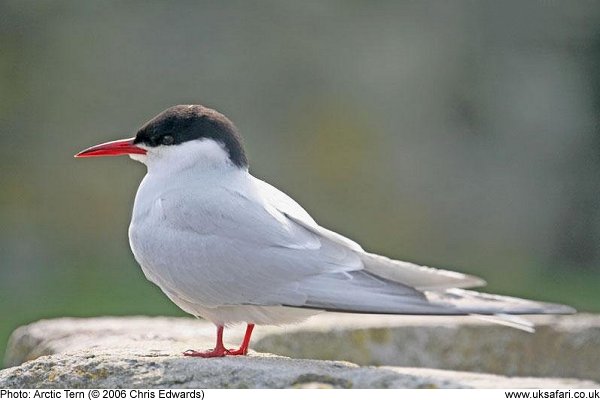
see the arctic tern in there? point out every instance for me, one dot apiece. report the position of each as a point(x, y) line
point(228, 247)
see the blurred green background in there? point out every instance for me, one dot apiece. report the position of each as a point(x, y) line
point(455, 134)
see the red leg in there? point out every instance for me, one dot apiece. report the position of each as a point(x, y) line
point(218, 351)
point(243, 350)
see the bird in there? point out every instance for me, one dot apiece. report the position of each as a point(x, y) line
point(228, 247)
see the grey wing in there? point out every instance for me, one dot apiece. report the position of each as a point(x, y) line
point(384, 285)
point(225, 247)
point(259, 247)
point(387, 292)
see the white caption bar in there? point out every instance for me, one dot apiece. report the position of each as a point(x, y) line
point(293, 394)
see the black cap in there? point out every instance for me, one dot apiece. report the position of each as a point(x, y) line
point(180, 124)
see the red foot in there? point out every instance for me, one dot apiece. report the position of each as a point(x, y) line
point(237, 352)
point(207, 354)
point(216, 353)
point(220, 350)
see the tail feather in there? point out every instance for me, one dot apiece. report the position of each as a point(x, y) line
point(361, 292)
point(512, 321)
point(492, 304)
point(418, 276)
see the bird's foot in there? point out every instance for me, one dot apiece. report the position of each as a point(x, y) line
point(218, 352)
point(236, 352)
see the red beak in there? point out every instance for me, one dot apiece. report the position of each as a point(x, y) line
point(114, 148)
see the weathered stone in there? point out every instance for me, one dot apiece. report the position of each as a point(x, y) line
point(145, 367)
point(146, 352)
point(565, 346)
point(61, 335)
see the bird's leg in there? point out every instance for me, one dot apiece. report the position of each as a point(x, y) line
point(218, 351)
point(243, 350)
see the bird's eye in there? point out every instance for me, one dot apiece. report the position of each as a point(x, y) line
point(167, 140)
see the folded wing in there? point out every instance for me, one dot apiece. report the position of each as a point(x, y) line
point(259, 247)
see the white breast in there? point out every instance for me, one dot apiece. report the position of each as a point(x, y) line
point(178, 235)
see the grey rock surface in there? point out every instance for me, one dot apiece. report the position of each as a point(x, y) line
point(565, 346)
point(146, 352)
point(84, 369)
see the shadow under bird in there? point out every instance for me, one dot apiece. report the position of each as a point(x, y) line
point(228, 247)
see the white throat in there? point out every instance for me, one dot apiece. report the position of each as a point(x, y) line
point(197, 155)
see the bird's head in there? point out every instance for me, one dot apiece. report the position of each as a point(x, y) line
point(180, 136)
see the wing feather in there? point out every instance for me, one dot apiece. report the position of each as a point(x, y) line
point(418, 276)
point(253, 245)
